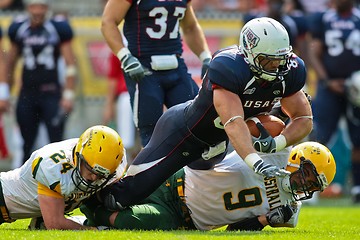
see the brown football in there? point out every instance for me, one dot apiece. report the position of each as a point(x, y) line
point(272, 124)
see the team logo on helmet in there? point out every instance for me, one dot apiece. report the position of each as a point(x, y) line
point(250, 39)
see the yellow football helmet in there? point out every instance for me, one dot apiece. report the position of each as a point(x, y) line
point(309, 160)
point(100, 150)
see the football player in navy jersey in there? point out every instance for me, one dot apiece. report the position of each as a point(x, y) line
point(336, 48)
point(241, 82)
point(40, 42)
point(156, 74)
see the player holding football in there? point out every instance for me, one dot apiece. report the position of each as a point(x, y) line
point(228, 194)
point(242, 81)
point(58, 177)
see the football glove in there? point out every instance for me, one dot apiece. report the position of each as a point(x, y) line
point(131, 65)
point(111, 203)
point(280, 215)
point(268, 170)
point(205, 66)
point(264, 143)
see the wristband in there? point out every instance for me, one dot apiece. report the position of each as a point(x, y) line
point(122, 53)
point(251, 159)
point(68, 94)
point(4, 91)
point(204, 55)
point(280, 142)
point(70, 71)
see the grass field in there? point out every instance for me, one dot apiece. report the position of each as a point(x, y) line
point(331, 219)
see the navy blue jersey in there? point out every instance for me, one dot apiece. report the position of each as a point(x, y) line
point(0, 33)
point(229, 70)
point(341, 38)
point(40, 48)
point(152, 27)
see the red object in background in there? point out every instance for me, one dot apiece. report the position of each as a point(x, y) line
point(4, 152)
point(192, 61)
point(98, 57)
point(117, 74)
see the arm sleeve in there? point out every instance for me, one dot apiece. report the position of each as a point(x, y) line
point(249, 224)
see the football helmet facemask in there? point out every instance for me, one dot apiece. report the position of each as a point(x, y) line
point(265, 41)
point(100, 150)
point(312, 168)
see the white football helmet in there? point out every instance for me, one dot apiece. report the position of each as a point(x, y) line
point(352, 85)
point(266, 38)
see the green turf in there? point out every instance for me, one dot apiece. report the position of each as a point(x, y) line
point(332, 219)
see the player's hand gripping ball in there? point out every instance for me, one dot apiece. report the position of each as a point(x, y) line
point(271, 123)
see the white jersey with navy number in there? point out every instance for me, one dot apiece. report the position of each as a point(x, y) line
point(47, 172)
point(231, 192)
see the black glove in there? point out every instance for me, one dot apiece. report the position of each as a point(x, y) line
point(205, 66)
point(264, 143)
point(109, 197)
point(132, 66)
point(111, 203)
point(280, 215)
point(268, 170)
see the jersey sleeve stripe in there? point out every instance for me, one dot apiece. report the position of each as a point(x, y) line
point(44, 190)
point(35, 165)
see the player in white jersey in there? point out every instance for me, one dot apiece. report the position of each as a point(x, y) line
point(58, 177)
point(229, 194)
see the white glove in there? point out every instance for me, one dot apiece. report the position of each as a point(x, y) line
point(269, 170)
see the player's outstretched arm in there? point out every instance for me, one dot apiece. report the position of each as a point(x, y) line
point(277, 216)
point(52, 210)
